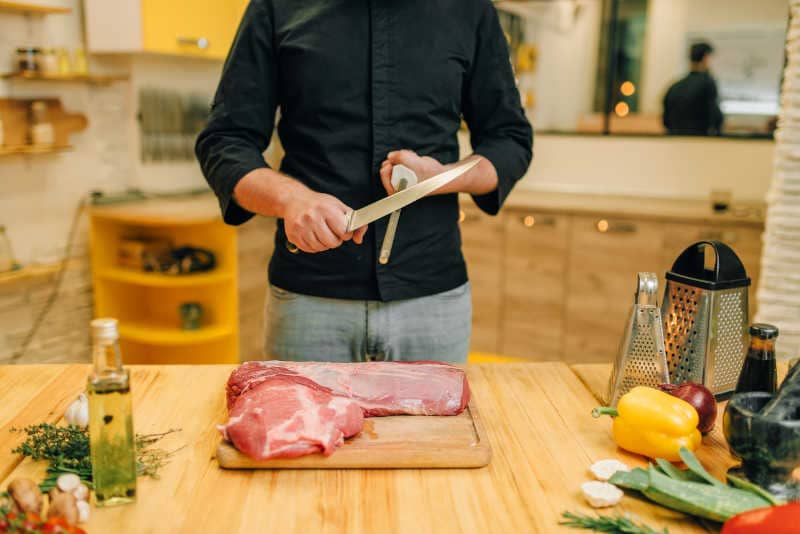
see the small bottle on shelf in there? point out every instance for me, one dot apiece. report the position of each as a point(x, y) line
point(42, 132)
point(111, 436)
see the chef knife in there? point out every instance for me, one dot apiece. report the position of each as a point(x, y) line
point(372, 212)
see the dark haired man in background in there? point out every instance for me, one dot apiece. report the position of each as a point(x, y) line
point(691, 105)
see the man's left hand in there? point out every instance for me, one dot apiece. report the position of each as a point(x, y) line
point(423, 166)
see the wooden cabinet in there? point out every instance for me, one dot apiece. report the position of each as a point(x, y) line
point(482, 244)
point(200, 28)
point(605, 255)
point(553, 284)
point(534, 286)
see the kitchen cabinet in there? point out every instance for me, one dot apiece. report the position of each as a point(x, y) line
point(562, 283)
point(197, 28)
point(534, 286)
point(482, 244)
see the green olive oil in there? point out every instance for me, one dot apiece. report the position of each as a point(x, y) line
point(111, 436)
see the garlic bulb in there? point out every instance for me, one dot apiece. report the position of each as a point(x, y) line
point(78, 412)
point(84, 511)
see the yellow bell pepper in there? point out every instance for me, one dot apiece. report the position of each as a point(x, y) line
point(652, 423)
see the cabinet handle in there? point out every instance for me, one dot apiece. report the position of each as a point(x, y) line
point(200, 42)
point(604, 226)
point(531, 221)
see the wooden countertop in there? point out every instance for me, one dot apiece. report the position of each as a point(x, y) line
point(537, 417)
point(619, 206)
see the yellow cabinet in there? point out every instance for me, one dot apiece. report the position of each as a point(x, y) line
point(199, 28)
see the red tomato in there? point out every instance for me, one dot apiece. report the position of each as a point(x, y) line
point(783, 519)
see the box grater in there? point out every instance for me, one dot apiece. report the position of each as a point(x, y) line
point(706, 316)
point(641, 360)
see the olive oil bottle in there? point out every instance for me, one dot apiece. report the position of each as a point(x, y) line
point(111, 437)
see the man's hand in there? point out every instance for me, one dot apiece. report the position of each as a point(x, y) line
point(315, 222)
point(479, 180)
point(424, 167)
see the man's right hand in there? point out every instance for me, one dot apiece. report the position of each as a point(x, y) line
point(316, 222)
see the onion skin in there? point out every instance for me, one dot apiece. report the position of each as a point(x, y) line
point(700, 398)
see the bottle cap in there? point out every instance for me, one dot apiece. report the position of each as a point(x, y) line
point(764, 331)
point(105, 328)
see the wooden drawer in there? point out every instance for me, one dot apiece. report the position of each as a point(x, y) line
point(482, 245)
point(605, 255)
point(534, 285)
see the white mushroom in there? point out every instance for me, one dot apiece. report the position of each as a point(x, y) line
point(601, 494)
point(84, 511)
point(68, 482)
point(605, 469)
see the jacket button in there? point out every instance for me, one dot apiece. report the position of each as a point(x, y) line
point(291, 247)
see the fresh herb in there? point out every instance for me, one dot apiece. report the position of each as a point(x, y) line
point(67, 450)
point(611, 524)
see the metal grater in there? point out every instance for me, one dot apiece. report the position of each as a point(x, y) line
point(705, 315)
point(641, 360)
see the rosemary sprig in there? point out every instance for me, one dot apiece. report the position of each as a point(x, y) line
point(67, 450)
point(610, 524)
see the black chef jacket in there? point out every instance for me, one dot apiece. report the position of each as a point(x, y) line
point(691, 106)
point(355, 79)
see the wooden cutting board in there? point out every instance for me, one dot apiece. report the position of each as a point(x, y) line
point(395, 442)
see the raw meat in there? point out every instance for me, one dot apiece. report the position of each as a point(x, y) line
point(289, 409)
point(288, 417)
point(380, 388)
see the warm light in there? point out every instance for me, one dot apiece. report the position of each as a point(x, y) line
point(461, 215)
point(602, 226)
point(529, 221)
point(621, 109)
point(627, 88)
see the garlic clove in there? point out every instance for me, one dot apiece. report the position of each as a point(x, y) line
point(68, 482)
point(605, 469)
point(601, 494)
point(81, 492)
point(77, 412)
point(84, 511)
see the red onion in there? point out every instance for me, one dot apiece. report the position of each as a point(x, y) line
point(700, 398)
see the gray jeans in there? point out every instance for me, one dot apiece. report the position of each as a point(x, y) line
point(301, 327)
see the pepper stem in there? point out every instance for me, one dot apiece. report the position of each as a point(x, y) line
point(604, 410)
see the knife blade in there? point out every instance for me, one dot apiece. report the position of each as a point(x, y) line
point(383, 207)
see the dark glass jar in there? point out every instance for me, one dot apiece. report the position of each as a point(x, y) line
point(28, 59)
point(759, 372)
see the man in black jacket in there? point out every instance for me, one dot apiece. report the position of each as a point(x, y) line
point(363, 86)
point(691, 106)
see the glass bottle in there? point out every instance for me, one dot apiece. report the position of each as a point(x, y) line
point(42, 132)
point(111, 436)
point(759, 372)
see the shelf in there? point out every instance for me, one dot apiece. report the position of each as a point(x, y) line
point(31, 150)
point(97, 79)
point(165, 280)
point(159, 335)
point(33, 9)
point(28, 273)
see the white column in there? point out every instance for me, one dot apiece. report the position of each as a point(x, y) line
point(779, 291)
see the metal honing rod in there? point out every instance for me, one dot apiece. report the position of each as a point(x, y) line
point(391, 229)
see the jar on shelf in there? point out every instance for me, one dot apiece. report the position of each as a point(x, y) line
point(27, 58)
point(48, 61)
point(64, 66)
point(42, 132)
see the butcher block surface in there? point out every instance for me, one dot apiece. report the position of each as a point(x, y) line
point(400, 441)
point(536, 417)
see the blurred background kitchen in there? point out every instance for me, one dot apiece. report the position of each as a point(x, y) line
point(100, 102)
